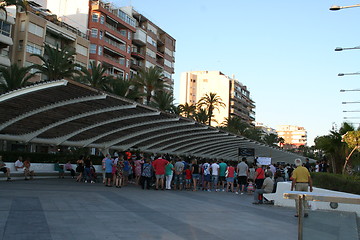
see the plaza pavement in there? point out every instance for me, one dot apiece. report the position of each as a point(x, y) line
point(63, 209)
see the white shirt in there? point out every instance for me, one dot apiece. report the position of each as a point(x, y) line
point(215, 169)
point(19, 164)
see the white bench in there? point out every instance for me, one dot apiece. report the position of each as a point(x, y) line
point(282, 187)
point(42, 170)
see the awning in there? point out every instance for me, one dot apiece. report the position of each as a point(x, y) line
point(72, 114)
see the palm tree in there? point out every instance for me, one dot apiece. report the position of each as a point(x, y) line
point(96, 77)
point(187, 110)
point(271, 139)
point(150, 80)
point(22, 4)
point(14, 77)
point(124, 88)
point(201, 116)
point(235, 125)
point(211, 101)
point(57, 63)
point(163, 101)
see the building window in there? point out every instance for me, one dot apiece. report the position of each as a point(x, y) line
point(33, 48)
point(81, 50)
point(100, 50)
point(101, 34)
point(5, 28)
point(123, 32)
point(127, 76)
point(21, 45)
point(128, 49)
point(93, 48)
point(36, 29)
point(22, 25)
point(122, 61)
point(127, 63)
point(129, 35)
point(94, 33)
point(102, 19)
point(95, 17)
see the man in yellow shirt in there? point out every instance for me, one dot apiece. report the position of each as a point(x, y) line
point(301, 180)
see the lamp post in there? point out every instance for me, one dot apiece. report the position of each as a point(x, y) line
point(336, 8)
point(338, 49)
point(344, 74)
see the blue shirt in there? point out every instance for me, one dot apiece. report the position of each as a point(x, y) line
point(108, 165)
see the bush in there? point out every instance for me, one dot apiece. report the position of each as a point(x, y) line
point(337, 182)
point(45, 157)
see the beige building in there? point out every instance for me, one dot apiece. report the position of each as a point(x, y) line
point(194, 85)
point(294, 136)
point(40, 26)
point(6, 41)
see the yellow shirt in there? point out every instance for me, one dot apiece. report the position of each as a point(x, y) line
point(301, 174)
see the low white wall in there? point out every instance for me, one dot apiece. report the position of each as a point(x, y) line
point(45, 167)
point(282, 187)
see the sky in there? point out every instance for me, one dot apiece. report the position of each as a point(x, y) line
point(283, 51)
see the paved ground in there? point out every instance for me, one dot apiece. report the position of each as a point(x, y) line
point(63, 209)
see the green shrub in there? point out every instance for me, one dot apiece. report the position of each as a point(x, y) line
point(45, 157)
point(337, 182)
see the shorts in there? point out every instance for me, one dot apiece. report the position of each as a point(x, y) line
point(207, 178)
point(188, 181)
point(178, 178)
point(242, 180)
point(4, 169)
point(108, 175)
point(161, 176)
point(196, 176)
point(222, 179)
point(230, 179)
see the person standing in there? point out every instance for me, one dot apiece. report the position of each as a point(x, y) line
point(207, 176)
point(307, 164)
point(242, 171)
point(259, 176)
point(179, 174)
point(159, 168)
point(169, 171)
point(146, 174)
point(222, 170)
point(215, 175)
point(108, 170)
point(301, 181)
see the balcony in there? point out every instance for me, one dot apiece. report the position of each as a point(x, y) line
point(139, 37)
point(137, 54)
point(160, 54)
point(115, 44)
point(136, 65)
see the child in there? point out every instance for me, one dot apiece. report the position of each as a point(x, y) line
point(250, 187)
point(187, 178)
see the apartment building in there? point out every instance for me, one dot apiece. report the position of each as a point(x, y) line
point(294, 136)
point(39, 26)
point(6, 41)
point(194, 85)
point(151, 46)
point(265, 129)
point(111, 32)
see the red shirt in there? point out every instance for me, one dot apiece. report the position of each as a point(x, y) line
point(231, 171)
point(159, 166)
point(260, 173)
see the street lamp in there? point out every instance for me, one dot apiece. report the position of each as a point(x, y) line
point(349, 90)
point(338, 49)
point(335, 7)
point(343, 74)
point(349, 102)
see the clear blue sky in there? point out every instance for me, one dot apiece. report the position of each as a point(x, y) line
point(282, 50)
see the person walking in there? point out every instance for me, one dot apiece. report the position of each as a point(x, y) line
point(301, 181)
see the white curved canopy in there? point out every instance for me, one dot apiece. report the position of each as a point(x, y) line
point(68, 113)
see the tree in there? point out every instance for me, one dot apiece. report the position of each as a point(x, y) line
point(211, 102)
point(201, 116)
point(57, 63)
point(271, 139)
point(163, 101)
point(235, 125)
point(124, 88)
point(352, 139)
point(95, 77)
point(187, 110)
point(333, 147)
point(151, 81)
point(14, 77)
